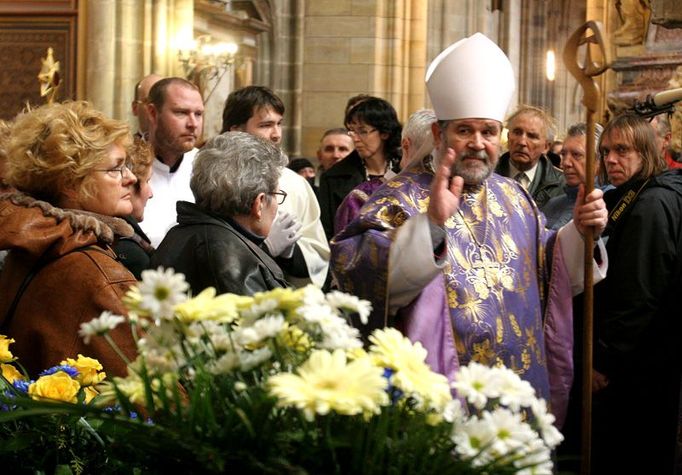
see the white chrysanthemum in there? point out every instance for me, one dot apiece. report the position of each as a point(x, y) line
point(476, 383)
point(345, 301)
point(250, 359)
point(337, 334)
point(545, 423)
point(471, 438)
point(454, 412)
point(101, 325)
point(537, 460)
point(168, 361)
point(161, 290)
point(259, 308)
point(513, 391)
point(226, 364)
point(158, 337)
point(263, 328)
point(317, 313)
point(312, 295)
point(512, 435)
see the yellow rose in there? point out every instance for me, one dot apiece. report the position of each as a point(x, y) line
point(90, 394)
point(88, 368)
point(58, 386)
point(10, 373)
point(5, 355)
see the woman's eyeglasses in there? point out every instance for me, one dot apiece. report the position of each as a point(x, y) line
point(362, 133)
point(281, 196)
point(117, 172)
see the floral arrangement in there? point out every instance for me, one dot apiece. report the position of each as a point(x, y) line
point(280, 383)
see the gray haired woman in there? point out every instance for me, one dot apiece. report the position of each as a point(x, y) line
point(216, 242)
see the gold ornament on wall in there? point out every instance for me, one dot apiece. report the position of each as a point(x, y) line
point(49, 77)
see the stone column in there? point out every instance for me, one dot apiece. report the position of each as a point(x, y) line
point(100, 54)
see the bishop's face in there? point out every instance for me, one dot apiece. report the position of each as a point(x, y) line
point(476, 143)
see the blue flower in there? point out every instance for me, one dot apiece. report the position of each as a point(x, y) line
point(22, 385)
point(70, 370)
point(394, 393)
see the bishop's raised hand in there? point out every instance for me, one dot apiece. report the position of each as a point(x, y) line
point(445, 191)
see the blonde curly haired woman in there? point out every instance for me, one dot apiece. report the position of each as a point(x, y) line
point(68, 179)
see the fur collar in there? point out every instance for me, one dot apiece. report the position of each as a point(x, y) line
point(105, 228)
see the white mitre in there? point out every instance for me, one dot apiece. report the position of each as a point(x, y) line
point(472, 78)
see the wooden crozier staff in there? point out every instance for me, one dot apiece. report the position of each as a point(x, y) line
point(595, 63)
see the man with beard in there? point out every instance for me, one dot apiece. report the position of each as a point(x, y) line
point(529, 138)
point(176, 112)
point(459, 258)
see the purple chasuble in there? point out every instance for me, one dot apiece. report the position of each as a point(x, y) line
point(487, 304)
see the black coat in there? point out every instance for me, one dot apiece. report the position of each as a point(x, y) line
point(216, 252)
point(335, 184)
point(134, 252)
point(637, 329)
point(547, 183)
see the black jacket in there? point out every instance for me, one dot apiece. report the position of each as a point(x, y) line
point(547, 183)
point(216, 252)
point(335, 184)
point(134, 252)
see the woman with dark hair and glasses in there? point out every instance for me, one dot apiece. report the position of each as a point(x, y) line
point(637, 351)
point(68, 179)
point(217, 241)
point(373, 125)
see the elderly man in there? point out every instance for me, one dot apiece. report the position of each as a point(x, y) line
point(459, 257)
point(176, 115)
point(527, 161)
point(297, 240)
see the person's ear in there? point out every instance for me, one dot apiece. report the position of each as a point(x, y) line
point(257, 206)
point(405, 145)
point(153, 113)
point(437, 134)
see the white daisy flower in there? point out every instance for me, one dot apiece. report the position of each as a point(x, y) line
point(514, 392)
point(99, 326)
point(266, 327)
point(476, 384)
point(250, 359)
point(545, 422)
point(161, 290)
point(345, 301)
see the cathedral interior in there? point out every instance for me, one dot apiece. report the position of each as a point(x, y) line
point(315, 54)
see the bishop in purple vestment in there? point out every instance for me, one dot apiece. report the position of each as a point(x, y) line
point(459, 258)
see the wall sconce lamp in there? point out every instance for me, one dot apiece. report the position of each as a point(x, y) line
point(550, 65)
point(202, 60)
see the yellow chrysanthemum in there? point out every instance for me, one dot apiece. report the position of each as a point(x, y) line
point(356, 353)
point(294, 338)
point(412, 375)
point(58, 386)
point(10, 373)
point(206, 306)
point(286, 298)
point(327, 383)
point(5, 355)
point(89, 370)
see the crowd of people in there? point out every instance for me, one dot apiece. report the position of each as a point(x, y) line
point(475, 253)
